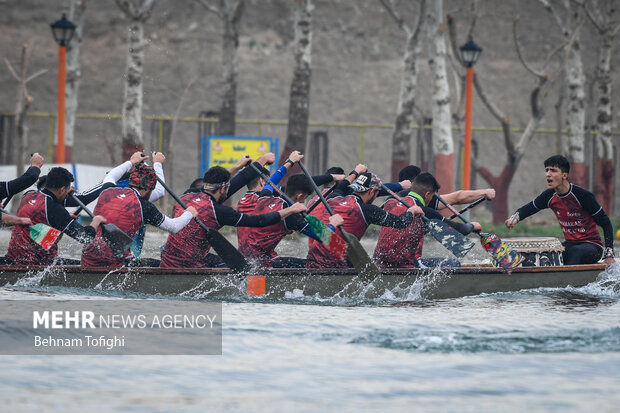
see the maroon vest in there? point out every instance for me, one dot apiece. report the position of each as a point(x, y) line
point(577, 224)
point(22, 249)
point(397, 248)
point(246, 205)
point(261, 242)
point(121, 207)
point(354, 223)
point(188, 248)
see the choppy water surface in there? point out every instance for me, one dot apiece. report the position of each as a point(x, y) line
point(540, 350)
point(535, 350)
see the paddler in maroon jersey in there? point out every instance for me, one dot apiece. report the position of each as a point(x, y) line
point(578, 213)
point(128, 209)
point(189, 248)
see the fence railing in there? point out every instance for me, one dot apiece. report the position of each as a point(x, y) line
point(261, 123)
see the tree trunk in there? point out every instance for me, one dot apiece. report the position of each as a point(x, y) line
point(228, 110)
point(501, 184)
point(76, 15)
point(443, 144)
point(401, 140)
point(21, 108)
point(132, 106)
point(299, 100)
point(576, 114)
point(603, 188)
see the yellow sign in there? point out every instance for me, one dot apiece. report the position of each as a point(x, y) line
point(225, 151)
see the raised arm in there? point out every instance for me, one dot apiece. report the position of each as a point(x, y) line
point(466, 196)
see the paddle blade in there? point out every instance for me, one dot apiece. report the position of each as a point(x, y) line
point(44, 235)
point(328, 237)
point(138, 242)
point(117, 240)
point(454, 241)
point(227, 252)
point(366, 268)
point(501, 254)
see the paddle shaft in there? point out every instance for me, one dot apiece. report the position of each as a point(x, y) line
point(454, 211)
point(318, 201)
point(81, 204)
point(274, 186)
point(6, 201)
point(227, 252)
point(316, 189)
point(458, 214)
point(366, 268)
point(468, 207)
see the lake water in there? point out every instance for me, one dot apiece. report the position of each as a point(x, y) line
point(535, 350)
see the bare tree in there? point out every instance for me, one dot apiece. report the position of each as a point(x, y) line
point(77, 9)
point(401, 139)
point(230, 12)
point(515, 147)
point(602, 14)
point(568, 17)
point(443, 144)
point(138, 12)
point(299, 99)
point(23, 102)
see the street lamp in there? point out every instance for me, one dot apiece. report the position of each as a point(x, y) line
point(63, 32)
point(470, 52)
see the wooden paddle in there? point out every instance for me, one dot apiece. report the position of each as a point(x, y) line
point(117, 240)
point(454, 241)
point(229, 254)
point(502, 255)
point(366, 269)
point(328, 237)
point(468, 207)
point(41, 234)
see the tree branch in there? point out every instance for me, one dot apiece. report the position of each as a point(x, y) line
point(237, 11)
point(519, 52)
point(496, 112)
point(146, 10)
point(11, 69)
point(391, 9)
point(452, 35)
point(39, 73)
point(595, 16)
point(474, 18)
point(210, 7)
point(554, 13)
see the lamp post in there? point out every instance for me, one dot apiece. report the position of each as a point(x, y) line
point(63, 31)
point(470, 52)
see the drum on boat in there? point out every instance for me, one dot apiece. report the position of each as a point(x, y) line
point(538, 251)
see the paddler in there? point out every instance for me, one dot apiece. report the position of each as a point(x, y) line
point(402, 247)
point(358, 213)
point(260, 243)
point(189, 248)
point(578, 213)
point(129, 208)
point(10, 188)
point(46, 206)
point(247, 203)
